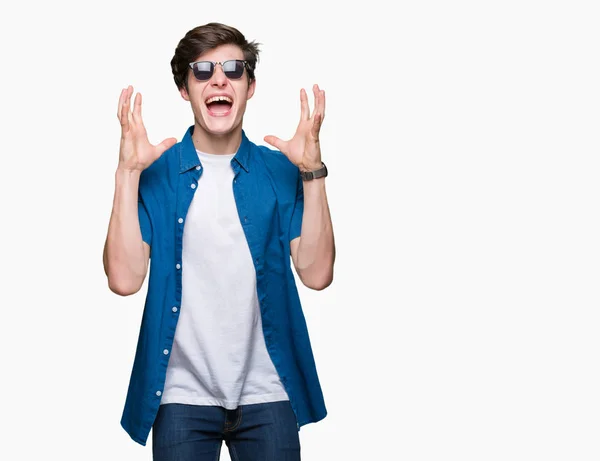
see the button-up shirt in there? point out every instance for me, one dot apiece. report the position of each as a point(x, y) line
point(268, 193)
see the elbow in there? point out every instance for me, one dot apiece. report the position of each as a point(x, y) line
point(318, 282)
point(319, 286)
point(123, 287)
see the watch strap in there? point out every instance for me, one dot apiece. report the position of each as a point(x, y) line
point(316, 174)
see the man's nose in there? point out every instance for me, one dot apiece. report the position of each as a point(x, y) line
point(219, 78)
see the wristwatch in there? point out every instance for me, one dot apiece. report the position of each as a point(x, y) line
point(316, 174)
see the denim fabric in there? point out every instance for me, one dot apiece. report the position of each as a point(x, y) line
point(259, 432)
point(269, 197)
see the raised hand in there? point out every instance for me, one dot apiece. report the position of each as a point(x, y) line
point(136, 152)
point(303, 149)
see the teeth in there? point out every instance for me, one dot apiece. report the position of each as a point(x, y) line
point(219, 98)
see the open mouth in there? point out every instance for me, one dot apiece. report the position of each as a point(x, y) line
point(219, 106)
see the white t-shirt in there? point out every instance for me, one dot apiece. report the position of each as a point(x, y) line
point(219, 356)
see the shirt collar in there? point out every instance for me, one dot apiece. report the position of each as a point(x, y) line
point(188, 158)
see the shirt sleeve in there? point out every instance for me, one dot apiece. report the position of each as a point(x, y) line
point(296, 224)
point(145, 224)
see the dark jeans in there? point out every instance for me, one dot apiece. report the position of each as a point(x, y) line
point(259, 432)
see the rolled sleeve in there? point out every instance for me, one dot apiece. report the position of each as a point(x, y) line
point(145, 224)
point(296, 223)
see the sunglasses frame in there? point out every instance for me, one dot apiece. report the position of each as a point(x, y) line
point(244, 62)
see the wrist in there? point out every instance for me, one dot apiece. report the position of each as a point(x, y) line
point(312, 166)
point(127, 175)
point(125, 171)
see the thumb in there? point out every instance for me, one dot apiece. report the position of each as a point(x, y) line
point(276, 142)
point(165, 145)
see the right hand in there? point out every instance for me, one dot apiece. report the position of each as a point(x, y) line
point(136, 153)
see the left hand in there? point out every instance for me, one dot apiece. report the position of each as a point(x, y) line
point(303, 149)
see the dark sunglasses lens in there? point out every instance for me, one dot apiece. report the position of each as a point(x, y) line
point(203, 70)
point(233, 69)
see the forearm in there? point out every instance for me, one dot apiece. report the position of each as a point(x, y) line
point(316, 248)
point(125, 259)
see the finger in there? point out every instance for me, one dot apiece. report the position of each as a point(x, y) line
point(125, 112)
point(127, 106)
point(165, 145)
point(137, 107)
point(129, 118)
point(316, 127)
point(276, 142)
point(121, 100)
point(316, 94)
point(322, 105)
point(304, 109)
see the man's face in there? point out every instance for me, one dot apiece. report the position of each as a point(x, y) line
point(220, 115)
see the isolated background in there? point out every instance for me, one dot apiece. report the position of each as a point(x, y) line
point(463, 148)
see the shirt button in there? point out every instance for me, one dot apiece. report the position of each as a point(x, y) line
point(198, 167)
point(178, 266)
point(174, 309)
point(180, 220)
point(193, 186)
point(158, 393)
point(166, 352)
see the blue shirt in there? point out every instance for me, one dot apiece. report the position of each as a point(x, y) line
point(269, 197)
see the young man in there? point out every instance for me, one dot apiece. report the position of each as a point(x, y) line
point(223, 350)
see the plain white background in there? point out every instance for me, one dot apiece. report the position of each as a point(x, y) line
point(463, 148)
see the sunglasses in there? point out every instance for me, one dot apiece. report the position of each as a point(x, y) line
point(204, 70)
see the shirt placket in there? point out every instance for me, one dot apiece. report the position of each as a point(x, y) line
point(186, 187)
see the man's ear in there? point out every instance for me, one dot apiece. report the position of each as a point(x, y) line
point(184, 93)
point(251, 89)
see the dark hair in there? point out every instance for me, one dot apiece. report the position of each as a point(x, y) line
point(208, 37)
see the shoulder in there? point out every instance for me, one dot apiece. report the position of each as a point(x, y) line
point(277, 163)
point(160, 170)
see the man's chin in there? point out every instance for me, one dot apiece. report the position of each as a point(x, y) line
point(220, 127)
point(219, 131)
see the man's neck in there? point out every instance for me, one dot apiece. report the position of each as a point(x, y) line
point(217, 144)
